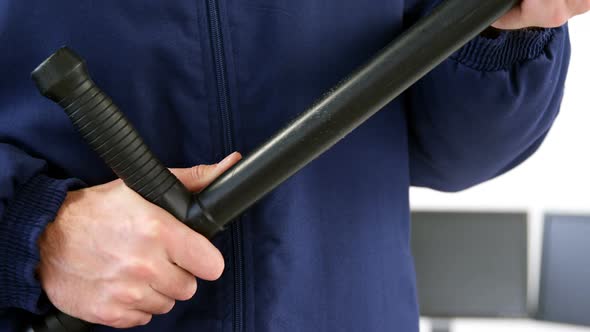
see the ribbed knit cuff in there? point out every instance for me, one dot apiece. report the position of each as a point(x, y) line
point(35, 205)
point(504, 51)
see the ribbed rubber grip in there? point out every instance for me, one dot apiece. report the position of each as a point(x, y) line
point(109, 133)
point(63, 77)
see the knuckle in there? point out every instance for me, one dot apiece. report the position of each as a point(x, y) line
point(189, 290)
point(140, 270)
point(144, 320)
point(198, 172)
point(211, 268)
point(559, 16)
point(120, 324)
point(166, 307)
point(123, 324)
point(151, 229)
point(129, 296)
point(216, 268)
point(109, 317)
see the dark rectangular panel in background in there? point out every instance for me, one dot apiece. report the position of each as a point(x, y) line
point(471, 264)
point(564, 295)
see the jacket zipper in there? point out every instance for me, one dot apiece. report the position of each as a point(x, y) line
point(228, 147)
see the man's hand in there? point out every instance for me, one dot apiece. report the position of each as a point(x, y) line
point(542, 14)
point(112, 258)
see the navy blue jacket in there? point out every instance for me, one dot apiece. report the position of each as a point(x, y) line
point(328, 250)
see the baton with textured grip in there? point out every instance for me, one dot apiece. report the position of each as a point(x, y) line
point(64, 79)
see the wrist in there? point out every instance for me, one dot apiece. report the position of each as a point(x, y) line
point(496, 49)
point(26, 217)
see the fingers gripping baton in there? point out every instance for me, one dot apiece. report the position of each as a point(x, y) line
point(63, 78)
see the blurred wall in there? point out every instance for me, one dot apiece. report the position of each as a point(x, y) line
point(555, 179)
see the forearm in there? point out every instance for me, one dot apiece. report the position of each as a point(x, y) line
point(29, 200)
point(487, 108)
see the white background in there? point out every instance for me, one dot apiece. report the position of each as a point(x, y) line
point(556, 179)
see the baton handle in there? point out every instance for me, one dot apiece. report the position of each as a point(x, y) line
point(63, 78)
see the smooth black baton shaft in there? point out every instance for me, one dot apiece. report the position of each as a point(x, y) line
point(370, 88)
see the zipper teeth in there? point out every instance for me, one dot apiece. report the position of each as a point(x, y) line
point(237, 236)
point(221, 74)
point(228, 145)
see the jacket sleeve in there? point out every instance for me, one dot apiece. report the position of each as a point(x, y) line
point(487, 108)
point(29, 199)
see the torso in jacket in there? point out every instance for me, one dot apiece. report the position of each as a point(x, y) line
point(328, 250)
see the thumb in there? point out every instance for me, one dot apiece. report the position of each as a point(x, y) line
point(198, 177)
